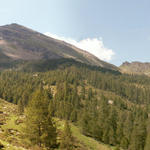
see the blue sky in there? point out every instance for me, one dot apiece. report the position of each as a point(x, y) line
point(118, 30)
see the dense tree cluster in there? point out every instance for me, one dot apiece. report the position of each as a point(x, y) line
point(82, 94)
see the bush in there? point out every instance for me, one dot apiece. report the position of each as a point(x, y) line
point(1, 145)
point(117, 148)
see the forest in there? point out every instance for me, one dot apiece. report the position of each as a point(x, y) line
point(109, 106)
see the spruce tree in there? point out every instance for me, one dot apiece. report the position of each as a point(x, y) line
point(112, 126)
point(20, 107)
point(147, 144)
point(138, 136)
point(40, 129)
point(67, 139)
point(124, 143)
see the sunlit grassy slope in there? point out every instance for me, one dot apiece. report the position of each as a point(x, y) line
point(88, 142)
point(11, 131)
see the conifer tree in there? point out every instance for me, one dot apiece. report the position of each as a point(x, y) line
point(20, 107)
point(67, 139)
point(40, 129)
point(147, 144)
point(83, 92)
point(138, 136)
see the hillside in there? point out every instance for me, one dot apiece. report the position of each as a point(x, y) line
point(20, 43)
point(11, 131)
point(103, 105)
point(136, 68)
point(46, 83)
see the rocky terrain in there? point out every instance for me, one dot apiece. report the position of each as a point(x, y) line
point(136, 68)
point(21, 43)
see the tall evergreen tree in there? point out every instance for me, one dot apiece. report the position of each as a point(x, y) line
point(67, 139)
point(147, 145)
point(138, 136)
point(40, 129)
point(20, 107)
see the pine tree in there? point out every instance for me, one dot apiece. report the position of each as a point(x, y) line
point(112, 126)
point(84, 122)
point(73, 116)
point(83, 92)
point(128, 126)
point(105, 137)
point(119, 132)
point(67, 139)
point(124, 143)
point(138, 136)
point(90, 94)
point(20, 107)
point(40, 129)
point(147, 144)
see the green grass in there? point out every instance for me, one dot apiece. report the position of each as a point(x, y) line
point(9, 140)
point(8, 146)
point(14, 142)
point(90, 143)
point(10, 123)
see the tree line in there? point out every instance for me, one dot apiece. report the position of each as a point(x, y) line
point(122, 123)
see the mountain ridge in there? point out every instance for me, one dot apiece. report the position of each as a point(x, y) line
point(18, 42)
point(136, 67)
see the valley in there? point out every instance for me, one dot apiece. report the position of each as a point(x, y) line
point(56, 96)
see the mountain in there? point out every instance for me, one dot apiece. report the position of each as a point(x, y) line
point(102, 108)
point(20, 43)
point(136, 68)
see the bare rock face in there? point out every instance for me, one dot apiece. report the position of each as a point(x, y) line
point(20, 43)
point(136, 68)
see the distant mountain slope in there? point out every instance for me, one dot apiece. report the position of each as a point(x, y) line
point(18, 42)
point(136, 68)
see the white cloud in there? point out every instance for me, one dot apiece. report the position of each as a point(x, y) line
point(93, 45)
